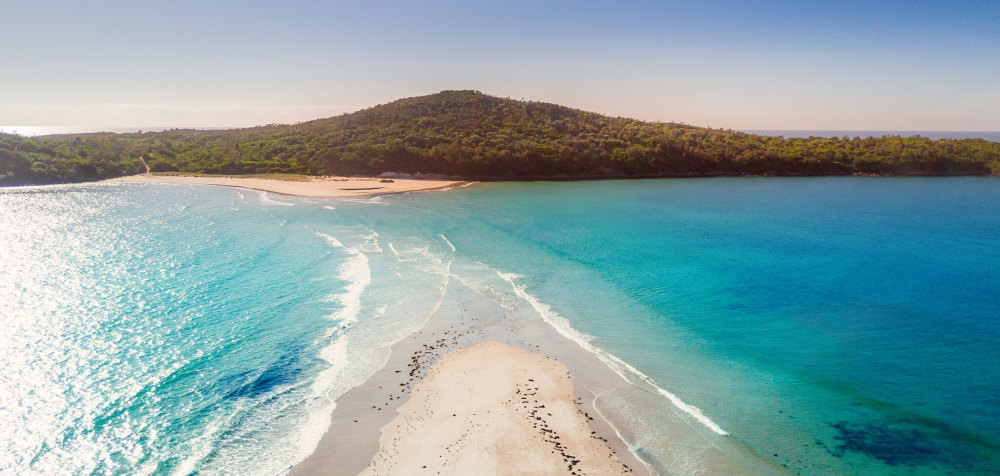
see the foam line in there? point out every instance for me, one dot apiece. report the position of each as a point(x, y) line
point(634, 450)
point(371, 244)
point(563, 326)
point(318, 422)
point(331, 240)
point(265, 199)
point(358, 275)
point(445, 238)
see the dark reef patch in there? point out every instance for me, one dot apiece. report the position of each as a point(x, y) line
point(893, 444)
point(254, 383)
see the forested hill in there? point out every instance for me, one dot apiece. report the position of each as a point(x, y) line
point(475, 136)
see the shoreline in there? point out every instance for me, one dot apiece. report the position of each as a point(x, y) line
point(609, 399)
point(619, 408)
point(319, 187)
point(361, 415)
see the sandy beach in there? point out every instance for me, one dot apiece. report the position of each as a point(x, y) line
point(493, 408)
point(326, 186)
point(376, 423)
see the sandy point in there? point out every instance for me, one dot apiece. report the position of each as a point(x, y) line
point(493, 408)
point(305, 186)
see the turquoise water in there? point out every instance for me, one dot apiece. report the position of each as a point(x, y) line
point(832, 325)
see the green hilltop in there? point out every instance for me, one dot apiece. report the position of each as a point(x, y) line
point(470, 135)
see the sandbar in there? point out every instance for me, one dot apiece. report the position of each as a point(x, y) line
point(326, 186)
point(493, 408)
point(462, 320)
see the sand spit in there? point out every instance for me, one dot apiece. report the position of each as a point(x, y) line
point(493, 408)
point(309, 187)
point(463, 320)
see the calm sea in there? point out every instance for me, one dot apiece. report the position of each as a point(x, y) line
point(993, 136)
point(988, 135)
point(832, 325)
point(32, 131)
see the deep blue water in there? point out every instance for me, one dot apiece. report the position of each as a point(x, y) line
point(845, 325)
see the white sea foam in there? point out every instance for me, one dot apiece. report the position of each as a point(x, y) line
point(358, 275)
point(331, 240)
point(563, 326)
point(420, 258)
point(203, 447)
point(444, 290)
point(371, 244)
point(343, 354)
point(332, 382)
point(448, 242)
point(324, 391)
point(632, 448)
point(375, 200)
point(264, 198)
point(328, 207)
point(334, 354)
point(445, 189)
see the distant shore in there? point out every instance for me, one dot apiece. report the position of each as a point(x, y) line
point(303, 186)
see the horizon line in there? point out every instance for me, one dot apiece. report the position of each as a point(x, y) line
point(44, 130)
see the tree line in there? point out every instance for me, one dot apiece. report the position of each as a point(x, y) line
point(466, 134)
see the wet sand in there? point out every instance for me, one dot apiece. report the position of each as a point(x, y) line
point(306, 187)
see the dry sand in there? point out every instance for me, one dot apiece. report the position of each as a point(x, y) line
point(308, 187)
point(493, 408)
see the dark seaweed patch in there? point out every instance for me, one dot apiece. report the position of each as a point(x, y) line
point(271, 377)
point(282, 372)
point(893, 444)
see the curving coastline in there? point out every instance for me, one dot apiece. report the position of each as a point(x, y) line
point(462, 323)
point(381, 425)
point(318, 187)
point(352, 442)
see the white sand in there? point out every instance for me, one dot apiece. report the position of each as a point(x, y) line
point(309, 187)
point(493, 408)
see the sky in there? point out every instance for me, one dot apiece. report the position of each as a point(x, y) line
point(893, 65)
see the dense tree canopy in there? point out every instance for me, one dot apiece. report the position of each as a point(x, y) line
point(475, 136)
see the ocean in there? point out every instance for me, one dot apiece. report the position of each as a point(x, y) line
point(844, 325)
point(993, 136)
point(32, 131)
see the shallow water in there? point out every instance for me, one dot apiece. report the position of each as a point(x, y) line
point(841, 325)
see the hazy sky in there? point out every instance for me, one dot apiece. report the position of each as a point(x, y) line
point(915, 65)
